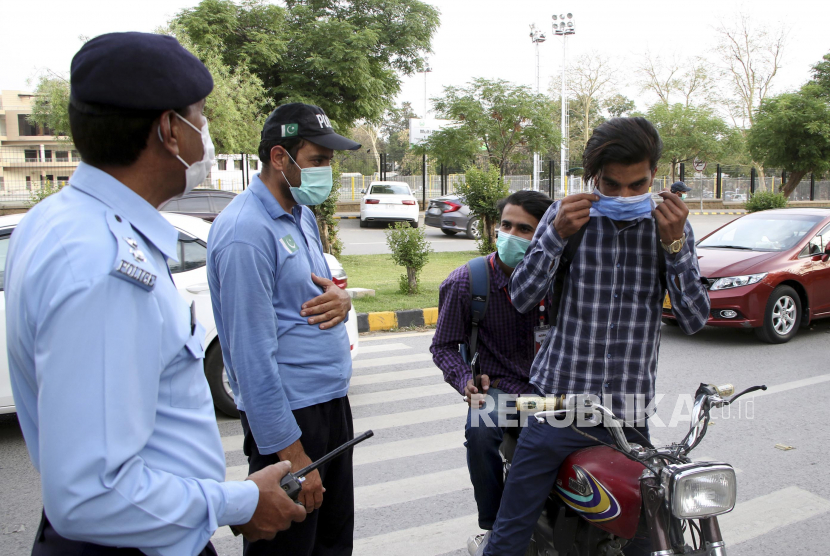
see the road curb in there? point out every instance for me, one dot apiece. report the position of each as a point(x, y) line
point(388, 320)
point(707, 213)
point(346, 217)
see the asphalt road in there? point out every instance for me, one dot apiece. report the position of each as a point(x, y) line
point(413, 494)
point(372, 240)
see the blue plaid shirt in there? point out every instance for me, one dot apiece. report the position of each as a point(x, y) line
point(608, 333)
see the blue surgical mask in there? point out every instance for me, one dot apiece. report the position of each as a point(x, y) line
point(683, 196)
point(511, 248)
point(315, 184)
point(622, 208)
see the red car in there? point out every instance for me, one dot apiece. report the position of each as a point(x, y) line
point(768, 271)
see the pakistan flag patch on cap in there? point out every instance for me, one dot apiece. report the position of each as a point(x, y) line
point(290, 130)
point(289, 243)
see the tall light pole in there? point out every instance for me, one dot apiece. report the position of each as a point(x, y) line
point(425, 71)
point(537, 37)
point(563, 25)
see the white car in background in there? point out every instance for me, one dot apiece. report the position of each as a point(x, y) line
point(388, 201)
point(190, 277)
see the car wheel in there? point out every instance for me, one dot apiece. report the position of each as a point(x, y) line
point(781, 317)
point(670, 322)
point(363, 223)
point(449, 232)
point(217, 379)
point(413, 223)
point(473, 229)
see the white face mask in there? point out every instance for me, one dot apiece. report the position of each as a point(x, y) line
point(198, 171)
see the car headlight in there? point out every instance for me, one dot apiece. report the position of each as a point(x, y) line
point(736, 281)
point(698, 490)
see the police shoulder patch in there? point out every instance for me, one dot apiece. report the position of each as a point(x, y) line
point(131, 263)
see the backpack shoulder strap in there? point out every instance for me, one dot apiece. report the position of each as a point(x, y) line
point(479, 296)
point(565, 260)
point(661, 261)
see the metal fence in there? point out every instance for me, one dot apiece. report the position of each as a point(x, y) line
point(27, 169)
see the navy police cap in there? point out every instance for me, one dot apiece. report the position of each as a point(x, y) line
point(305, 121)
point(137, 71)
point(680, 186)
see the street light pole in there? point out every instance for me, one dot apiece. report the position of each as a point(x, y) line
point(426, 70)
point(563, 28)
point(537, 37)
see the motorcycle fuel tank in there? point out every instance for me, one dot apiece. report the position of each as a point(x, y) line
point(602, 486)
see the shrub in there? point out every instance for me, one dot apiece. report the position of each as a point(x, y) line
point(410, 249)
point(482, 190)
point(765, 200)
point(48, 188)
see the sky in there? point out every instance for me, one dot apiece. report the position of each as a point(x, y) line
point(477, 38)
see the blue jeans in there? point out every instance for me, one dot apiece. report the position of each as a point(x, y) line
point(540, 451)
point(484, 460)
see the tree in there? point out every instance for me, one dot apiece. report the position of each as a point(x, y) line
point(669, 77)
point(590, 75)
point(618, 106)
point(395, 130)
point(750, 60)
point(410, 249)
point(346, 56)
point(234, 108)
point(688, 132)
point(368, 135)
point(821, 76)
point(51, 106)
point(482, 190)
point(495, 115)
point(792, 131)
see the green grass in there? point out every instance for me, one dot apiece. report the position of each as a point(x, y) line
point(379, 273)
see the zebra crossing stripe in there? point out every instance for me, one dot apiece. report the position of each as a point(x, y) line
point(387, 336)
point(381, 422)
point(391, 361)
point(434, 538)
point(376, 453)
point(383, 348)
point(412, 488)
point(394, 376)
point(764, 514)
point(417, 416)
point(399, 395)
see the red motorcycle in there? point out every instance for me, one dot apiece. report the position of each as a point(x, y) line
point(606, 495)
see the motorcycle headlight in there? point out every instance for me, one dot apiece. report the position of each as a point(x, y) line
point(699, 490)
point(737, 281)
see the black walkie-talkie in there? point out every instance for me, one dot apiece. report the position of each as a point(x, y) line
point(292, 483)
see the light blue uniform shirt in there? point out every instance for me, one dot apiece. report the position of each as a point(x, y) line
point(108, 377)
point(260, 260)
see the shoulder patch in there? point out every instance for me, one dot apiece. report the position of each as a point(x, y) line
point(131, 263)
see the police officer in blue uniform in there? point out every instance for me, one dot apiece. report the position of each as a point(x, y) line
point(105, 357)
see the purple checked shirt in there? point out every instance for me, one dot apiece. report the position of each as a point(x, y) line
point(505, 336)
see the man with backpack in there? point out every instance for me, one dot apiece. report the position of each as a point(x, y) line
point(476, 315)
point(605, 344)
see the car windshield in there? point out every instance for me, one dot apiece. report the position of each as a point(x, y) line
point(763, 232)
point(389, 189)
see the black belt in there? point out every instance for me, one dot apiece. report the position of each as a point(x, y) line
point(49, 543)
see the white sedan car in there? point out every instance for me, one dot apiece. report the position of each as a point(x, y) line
point(190, 277)
point(388, 201)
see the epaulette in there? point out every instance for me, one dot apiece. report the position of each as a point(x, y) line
point(131, 263)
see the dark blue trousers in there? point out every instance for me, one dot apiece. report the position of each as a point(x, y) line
point(540, 451)
point(484, 461)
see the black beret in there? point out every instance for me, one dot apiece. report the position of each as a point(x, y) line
point(137, 71)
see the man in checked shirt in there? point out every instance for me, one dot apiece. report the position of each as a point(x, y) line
point(607, 337)
point(505, 347)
